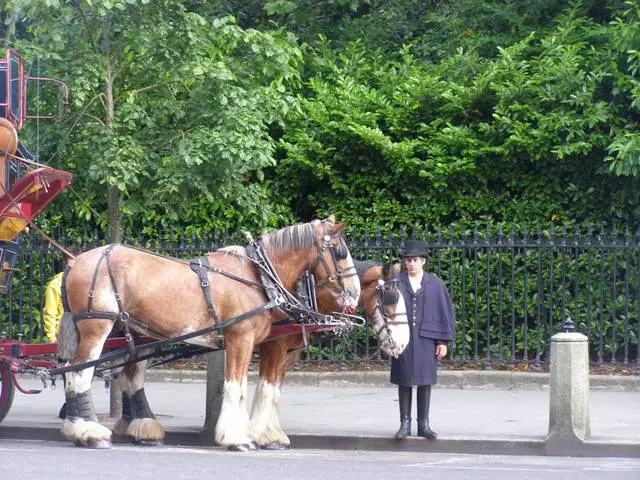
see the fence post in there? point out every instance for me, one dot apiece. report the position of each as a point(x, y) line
point(569, 395)
point(215, 389)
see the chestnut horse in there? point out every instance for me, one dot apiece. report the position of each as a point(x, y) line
point(384, 308)
point(163, 298)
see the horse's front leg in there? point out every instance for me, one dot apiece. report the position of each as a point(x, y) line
point(138, 421)
point(233, 429)
point(265, 420)
point(81, 422)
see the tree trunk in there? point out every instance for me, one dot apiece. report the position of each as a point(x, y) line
point(113, 194)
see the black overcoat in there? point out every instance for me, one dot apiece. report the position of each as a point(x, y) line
point(431, 320)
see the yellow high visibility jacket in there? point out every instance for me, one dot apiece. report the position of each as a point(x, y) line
point(53, 308)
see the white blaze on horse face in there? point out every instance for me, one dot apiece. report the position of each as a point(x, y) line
point(352, 283)
point(400, 331)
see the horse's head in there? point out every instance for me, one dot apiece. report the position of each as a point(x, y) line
point(321, 249)
point(384, 307)
point(336, 279)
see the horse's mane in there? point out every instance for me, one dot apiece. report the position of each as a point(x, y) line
point(290, 238)
point(363, 265)
point(237, 251)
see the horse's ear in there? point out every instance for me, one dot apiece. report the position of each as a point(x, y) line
point(331, 218)
point(395, 269)
point(337, 228)
point(390, 270)
point(387, 270)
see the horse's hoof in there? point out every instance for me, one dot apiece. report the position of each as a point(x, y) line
point(99, 444)
point(243, 447)
point(275, 446)
point(147, 443)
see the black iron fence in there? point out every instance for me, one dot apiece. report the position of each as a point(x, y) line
point(512, 290)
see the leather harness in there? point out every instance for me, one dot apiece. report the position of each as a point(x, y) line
point(278, 295)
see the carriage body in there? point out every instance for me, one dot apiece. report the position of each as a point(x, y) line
point(25, 186)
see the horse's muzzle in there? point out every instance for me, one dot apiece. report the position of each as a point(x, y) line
point(350, 308)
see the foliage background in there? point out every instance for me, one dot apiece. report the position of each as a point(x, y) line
point(198, 115)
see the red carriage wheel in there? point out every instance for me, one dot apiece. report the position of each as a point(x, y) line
point(7, 389)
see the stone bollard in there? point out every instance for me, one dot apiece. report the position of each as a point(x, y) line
point(215, 389)
point(569, 396)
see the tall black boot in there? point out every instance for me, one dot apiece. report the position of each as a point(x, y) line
point(424, 399)
point(404, 400)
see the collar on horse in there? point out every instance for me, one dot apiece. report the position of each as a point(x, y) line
point(302, 307)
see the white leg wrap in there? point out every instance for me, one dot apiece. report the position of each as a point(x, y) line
point(233, 423)
point(79, 430)
point(265, 421)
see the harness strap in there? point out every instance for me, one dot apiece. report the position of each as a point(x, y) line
point(63, 289)
point(203, 331)
point(92, 290)
point(122, 316)
point(200, 265)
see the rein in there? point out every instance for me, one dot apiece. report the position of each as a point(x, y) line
point(291, 305)
point(160, 343)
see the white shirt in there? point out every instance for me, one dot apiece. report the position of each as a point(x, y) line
point(415, 282)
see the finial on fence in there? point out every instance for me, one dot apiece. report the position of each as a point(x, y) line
point(568, 325)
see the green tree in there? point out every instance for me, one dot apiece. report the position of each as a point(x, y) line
point(170, 113)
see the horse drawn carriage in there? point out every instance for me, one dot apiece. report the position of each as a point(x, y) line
point(267, 296)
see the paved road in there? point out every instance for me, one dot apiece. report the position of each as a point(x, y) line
point(36, 460)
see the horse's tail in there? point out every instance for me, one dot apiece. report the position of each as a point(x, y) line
point(68, 335)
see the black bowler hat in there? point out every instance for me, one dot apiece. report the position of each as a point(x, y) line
point(415, 248)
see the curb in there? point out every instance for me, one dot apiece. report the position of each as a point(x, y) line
point(533, 446)
point(450, 379)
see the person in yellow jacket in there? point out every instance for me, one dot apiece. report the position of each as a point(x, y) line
point(53, 307)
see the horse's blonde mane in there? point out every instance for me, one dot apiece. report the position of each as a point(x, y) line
point(237, 251)
point(290, 238)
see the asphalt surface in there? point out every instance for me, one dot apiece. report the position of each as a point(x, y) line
point(473, 412)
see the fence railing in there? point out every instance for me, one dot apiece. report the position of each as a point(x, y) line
point(512, 291)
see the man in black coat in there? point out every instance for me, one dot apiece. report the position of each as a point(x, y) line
point(432, 326)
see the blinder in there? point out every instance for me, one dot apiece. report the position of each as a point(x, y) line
point(390, 294)
point(342, 252)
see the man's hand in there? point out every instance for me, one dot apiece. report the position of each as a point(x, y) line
point(441, 351)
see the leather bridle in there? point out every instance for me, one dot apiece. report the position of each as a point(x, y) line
point(338, 252)
point(383, 291)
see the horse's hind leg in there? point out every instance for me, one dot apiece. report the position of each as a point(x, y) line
point(81, 422)
point(137, 422)
point(265, 421)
